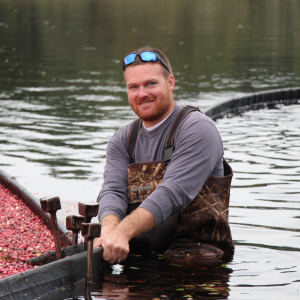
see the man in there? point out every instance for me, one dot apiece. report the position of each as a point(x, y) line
point(198, 154)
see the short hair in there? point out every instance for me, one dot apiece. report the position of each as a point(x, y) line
point(138, 61)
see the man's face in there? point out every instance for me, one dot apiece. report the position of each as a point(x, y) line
point(149, 92)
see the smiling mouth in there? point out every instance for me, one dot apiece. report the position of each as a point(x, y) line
point(146, 102)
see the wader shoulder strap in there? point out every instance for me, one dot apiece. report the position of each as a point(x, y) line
point(169, 145)
point(132, 138)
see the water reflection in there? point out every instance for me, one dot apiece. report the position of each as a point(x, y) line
point(245, 46)
point(147, 277)
point(62, 97)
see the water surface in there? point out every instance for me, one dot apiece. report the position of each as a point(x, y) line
point(62, 97)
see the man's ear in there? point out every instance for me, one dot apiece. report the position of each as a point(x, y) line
point(171, 82)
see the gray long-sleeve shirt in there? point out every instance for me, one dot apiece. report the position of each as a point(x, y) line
point(198, 154)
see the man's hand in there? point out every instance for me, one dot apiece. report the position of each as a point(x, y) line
point(115, 235)
point(116, 245)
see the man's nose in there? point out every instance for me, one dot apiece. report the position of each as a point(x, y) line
point(143, 92)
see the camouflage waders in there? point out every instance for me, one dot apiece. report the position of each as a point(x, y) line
point(202, 228)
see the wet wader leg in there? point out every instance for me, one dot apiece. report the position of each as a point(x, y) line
point(193, 251)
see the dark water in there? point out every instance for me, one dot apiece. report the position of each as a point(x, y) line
point(62, 97)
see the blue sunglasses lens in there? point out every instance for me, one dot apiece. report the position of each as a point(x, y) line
point(148, 56)
point(145, 56)
point(129, 59)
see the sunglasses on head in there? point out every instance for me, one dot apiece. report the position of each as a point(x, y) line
point(145, 56)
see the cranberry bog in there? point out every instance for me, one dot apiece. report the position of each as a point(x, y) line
point(28, 265)
point(23, 235)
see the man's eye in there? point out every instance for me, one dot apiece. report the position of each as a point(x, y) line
point(132, 87)
point(152, 83)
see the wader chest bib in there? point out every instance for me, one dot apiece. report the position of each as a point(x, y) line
point(204, 220)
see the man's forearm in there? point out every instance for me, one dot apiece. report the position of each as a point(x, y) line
point(108, 224)
point(116, 235)
point(109, 221)
point(138, 222)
